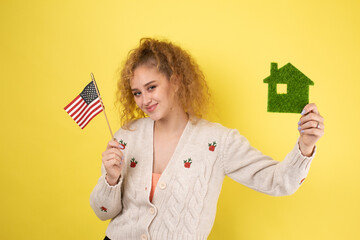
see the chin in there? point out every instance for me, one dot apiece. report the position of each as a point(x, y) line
point(156, 116)
point(153, 117)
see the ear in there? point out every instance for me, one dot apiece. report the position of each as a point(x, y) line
point(175, 82)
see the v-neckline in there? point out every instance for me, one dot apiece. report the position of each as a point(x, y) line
point(177, 148)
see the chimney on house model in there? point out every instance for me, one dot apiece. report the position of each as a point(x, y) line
point(274, 68)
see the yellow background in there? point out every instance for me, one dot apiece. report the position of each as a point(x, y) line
point(49, 166)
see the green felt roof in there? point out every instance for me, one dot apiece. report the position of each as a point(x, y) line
point(288, 73)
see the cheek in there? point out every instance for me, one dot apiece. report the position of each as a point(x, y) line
point(137, 101)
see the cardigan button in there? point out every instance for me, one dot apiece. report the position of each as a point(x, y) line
point(143, 237)
point(152, 211)
point(162, 185)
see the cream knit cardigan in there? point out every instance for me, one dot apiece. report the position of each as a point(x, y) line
point(185, 198)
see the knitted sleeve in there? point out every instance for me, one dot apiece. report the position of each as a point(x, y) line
point(105, 200)
point(250, 167)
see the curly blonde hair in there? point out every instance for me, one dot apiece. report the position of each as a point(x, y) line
point(180, 69)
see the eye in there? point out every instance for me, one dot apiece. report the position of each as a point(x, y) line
point(152, 87)
point(136, 94)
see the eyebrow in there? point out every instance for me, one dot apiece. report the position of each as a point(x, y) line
point(134, 89)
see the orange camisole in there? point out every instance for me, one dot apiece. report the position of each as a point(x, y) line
point(155, 179)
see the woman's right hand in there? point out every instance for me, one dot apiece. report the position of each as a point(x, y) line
point(113, 161)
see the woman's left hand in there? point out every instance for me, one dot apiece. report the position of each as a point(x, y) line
point(311, 129)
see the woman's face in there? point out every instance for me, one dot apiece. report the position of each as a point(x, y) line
point(152, 92)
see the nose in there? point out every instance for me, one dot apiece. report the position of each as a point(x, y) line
point(146, 99)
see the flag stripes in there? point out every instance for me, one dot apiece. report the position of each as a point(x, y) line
point(85, 106)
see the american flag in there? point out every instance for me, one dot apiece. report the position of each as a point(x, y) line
point(85, 106)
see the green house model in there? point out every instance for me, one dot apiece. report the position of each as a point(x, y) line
point(288, 89)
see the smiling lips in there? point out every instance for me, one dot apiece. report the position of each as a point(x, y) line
point(151, 108)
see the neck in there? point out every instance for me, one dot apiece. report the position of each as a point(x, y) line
point(174, 123)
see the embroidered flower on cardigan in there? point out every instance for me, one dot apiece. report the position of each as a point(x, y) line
point(301, 181)
point(103, 209)
point(122, 144)
point(212, 146)
point(187, 163)
point(133, 163)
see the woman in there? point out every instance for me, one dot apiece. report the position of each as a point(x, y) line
point(162, 175)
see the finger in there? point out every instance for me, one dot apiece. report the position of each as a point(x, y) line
point(312, 131)
point(311, 107)
point(311, 117)
point(110, 157)
point(114, 162)
point(310, 124)
point(116, 151)
point(113, 144)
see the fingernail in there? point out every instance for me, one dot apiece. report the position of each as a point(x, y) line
point(299, 122)
point(299, 128)
point(303, 112)
point(302, 131)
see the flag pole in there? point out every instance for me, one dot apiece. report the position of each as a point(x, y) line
point(102, 105)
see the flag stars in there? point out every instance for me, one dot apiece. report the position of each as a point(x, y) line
point(89, 93)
